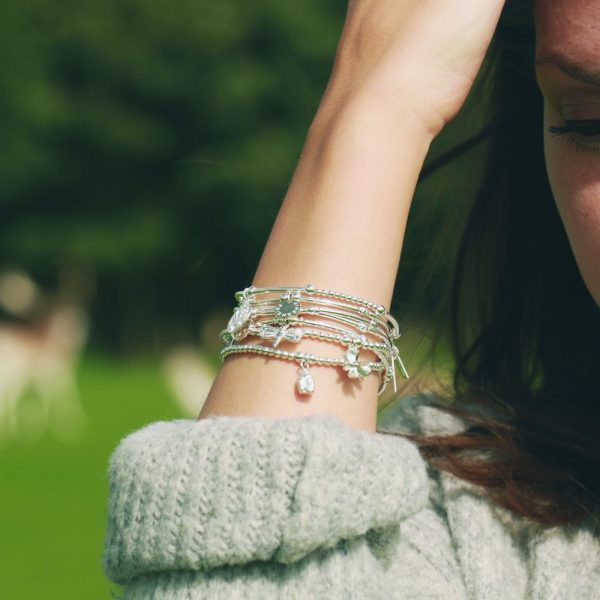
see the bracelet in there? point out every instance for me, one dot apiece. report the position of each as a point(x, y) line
point(287, 309)
point(305, 383)
point(272, 318)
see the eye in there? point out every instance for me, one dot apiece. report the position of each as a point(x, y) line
point(584, 134)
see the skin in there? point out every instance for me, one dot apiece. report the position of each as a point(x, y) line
point(567, 36)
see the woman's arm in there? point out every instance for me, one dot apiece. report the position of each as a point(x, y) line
point(402, 70)
point(340, 227)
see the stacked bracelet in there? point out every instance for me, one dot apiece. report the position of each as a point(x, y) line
point(279, 318)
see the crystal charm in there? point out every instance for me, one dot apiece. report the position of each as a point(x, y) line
point(241, 314)
point(228, 337)
point(352, 354)
point(305, 383)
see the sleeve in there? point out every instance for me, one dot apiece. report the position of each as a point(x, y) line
point(249, 507)
point(414, 414)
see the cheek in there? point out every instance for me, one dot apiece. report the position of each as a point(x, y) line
point(575, 180)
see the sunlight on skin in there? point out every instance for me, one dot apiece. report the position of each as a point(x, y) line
point(568, 73)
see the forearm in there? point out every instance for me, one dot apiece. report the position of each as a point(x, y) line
point(340, 227)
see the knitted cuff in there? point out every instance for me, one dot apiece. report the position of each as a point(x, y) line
point(197, 494)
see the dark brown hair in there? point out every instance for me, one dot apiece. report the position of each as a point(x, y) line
point(524, 329)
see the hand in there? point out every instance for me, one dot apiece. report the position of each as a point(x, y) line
point(419, 56)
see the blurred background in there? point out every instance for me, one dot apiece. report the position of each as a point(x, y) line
point(146, 148)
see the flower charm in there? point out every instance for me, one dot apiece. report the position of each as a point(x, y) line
point(287, 308)
point(352, 366)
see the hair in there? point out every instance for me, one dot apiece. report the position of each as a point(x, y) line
point(523, 328)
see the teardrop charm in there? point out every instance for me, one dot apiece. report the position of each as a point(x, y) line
point(305, 383)
point(352, 353)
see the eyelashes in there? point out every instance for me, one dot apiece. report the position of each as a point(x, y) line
point(583, 134)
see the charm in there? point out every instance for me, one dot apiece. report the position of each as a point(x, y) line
point(280, 333)
point(352, 366)
point(227, 337)
point(305, 383)
point(287, 308)
point(396, 355)
point(240, 317)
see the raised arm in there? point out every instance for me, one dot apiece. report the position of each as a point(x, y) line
point(402, 71)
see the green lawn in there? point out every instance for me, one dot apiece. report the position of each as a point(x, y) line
point(54, 496)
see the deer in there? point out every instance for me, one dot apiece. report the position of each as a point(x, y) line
point(39, 354)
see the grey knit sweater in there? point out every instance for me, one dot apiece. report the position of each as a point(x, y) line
point(307, 508)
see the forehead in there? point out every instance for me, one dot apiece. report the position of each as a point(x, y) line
point(569, 27)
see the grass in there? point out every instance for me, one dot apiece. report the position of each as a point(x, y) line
point(54, 495)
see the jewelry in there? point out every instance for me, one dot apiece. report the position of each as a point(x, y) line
point(305, 379)
point(273, 318)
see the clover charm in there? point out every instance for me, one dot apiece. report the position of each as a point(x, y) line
point(353, 367)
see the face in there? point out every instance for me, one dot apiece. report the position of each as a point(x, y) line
point(568, 74)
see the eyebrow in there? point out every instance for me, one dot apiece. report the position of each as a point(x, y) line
point(571, 68)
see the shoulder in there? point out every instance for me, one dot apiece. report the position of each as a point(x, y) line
point(499, 554)
point(418, 415)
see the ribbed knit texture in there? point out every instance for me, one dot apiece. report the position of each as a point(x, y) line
point(308, 508)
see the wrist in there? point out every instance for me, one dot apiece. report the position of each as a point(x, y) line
point(365, 140)
point(364, 117)
point(378, 104)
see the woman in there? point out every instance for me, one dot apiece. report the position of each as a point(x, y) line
point(273, 495)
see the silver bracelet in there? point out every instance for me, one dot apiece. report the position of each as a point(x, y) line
point(267, 331)
point(289, 307)
point(305, 383)
point(283, 311)
point(279, 326)
point(365, 308)
point(272, 330)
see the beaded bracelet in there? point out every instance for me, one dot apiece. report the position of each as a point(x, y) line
point(286, 314)
point(283, 311)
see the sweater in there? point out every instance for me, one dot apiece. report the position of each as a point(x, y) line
point(308, 508)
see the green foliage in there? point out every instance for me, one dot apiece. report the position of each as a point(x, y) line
point(154, 141)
